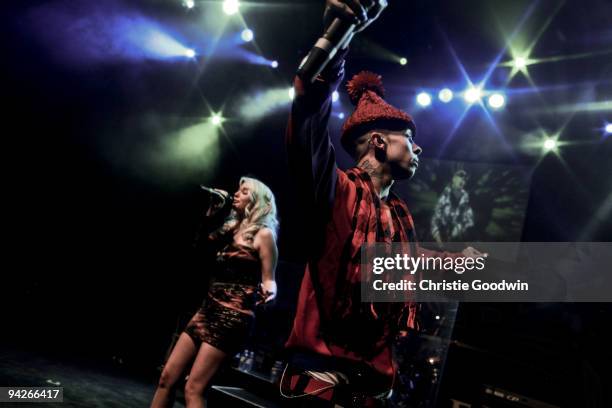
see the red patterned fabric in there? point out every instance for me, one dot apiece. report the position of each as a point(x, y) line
point(331, 319)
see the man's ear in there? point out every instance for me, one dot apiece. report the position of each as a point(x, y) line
point(377, 140)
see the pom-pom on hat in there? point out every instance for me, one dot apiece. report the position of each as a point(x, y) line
point(371, 111)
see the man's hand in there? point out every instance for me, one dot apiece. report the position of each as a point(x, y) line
point(470, 252)
point(360, 12)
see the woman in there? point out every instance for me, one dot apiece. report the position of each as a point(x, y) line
point(243, 277)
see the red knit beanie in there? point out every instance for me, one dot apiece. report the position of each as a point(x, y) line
point(371, 111)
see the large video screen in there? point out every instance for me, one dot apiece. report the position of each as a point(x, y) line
point(465, 202)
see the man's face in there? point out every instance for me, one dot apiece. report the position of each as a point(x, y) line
point(458, 182)
point(402, 154)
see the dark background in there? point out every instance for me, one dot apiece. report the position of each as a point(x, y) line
point(97, 240)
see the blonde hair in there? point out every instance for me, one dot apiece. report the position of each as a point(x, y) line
point(259, 213)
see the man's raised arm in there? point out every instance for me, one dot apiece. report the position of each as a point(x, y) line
point(312, 160)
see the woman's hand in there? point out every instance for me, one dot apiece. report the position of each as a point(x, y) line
point(265, 243)
point(267, 291)
point(218, 198)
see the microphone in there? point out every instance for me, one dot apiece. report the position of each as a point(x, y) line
point(325, 48)
point(214, 194)
point(335, 38)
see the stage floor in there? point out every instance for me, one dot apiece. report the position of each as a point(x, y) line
point(84, 384)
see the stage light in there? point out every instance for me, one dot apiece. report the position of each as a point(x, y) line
point(520, 63)
point(189, 4)
point(216, 119)
point(550, 144)
point(497, 101)
point(231, 6)
point(274, 64)
point(154, 43)
point(608, 128)
point(341, 115)
point(335, 96)
point(445, 95)
point(403, 61)
point(261, 103)
point(472, 94)
point(246, 35)
point(423, 99)
point(194, 148)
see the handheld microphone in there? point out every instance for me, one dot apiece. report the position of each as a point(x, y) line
point(337, 35)
point(214, 194)
point(325, 48)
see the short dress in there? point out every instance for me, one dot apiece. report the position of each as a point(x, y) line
point(225, 318)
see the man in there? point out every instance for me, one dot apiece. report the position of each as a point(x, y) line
point(341, 347)
point(453, 216)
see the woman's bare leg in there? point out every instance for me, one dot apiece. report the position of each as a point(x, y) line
point(207, 362)
point(183, 353)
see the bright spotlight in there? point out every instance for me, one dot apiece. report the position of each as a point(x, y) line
point(520, 63)
point(230, 6)
point(423, 99)
point(189, 53)
point(189, 4)
point(247, 35)
point(341, 115)
point(335, 96)
point(472, 94)
point(550, 144)
point(291, 93)
point(403, 61)
point(608, 128)
point(445, 95)
point(497, 100)
point(274, 64)
point(216, 119)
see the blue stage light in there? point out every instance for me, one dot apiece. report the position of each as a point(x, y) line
point(472, 94)
point(247, 35)
point(445, 95)
point(497, 100)
point(423, 99)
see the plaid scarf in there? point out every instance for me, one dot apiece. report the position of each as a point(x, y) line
point(365, 328)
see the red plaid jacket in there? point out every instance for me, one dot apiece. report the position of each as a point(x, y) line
point(341, 212)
